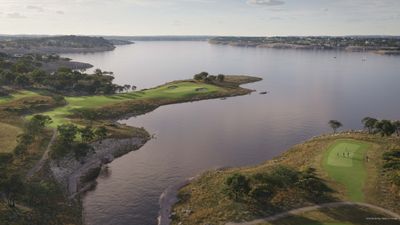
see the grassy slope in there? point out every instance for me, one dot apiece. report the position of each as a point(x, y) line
point(348, 170)
point(8, 137)
point(180, 91)
point(17, 95)
point(336, 216)
point(209, 203)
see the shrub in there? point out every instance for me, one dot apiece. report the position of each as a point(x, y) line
point(238, 186)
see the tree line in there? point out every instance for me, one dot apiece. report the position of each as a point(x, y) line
point(373, 126)
point(25, 72)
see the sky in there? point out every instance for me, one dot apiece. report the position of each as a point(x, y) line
point(201, 17)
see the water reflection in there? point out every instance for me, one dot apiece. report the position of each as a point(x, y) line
point(307, 88)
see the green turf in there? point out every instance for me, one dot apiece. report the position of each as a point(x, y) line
point(17, 95)
point(344, 162)
point(179, 91)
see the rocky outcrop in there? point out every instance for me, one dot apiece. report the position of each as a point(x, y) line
point(76, 175)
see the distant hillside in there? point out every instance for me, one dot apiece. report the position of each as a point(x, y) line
point(56, 44)
point(378, 44)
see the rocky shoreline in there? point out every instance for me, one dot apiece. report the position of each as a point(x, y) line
point(168, 199)
point(78, 176)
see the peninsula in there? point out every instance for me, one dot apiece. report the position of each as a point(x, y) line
point(331, 179)
point(58, 128)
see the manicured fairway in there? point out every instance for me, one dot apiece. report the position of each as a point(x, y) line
point(179, 90)
point(344, 161)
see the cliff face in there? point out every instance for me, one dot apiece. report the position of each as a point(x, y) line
point(77, 176)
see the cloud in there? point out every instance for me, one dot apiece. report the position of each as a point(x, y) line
point(265, 2)
point(37, 8)
point(15, 15)
point(60, 12)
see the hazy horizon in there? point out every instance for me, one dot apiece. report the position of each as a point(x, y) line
point(200, 17)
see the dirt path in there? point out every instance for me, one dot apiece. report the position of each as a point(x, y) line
point(312, 208)
point(44, 158)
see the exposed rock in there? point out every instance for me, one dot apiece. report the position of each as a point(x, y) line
point(75, 175)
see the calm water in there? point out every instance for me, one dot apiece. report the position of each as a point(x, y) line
point(308, 88)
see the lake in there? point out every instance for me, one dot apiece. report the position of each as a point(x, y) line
point(307, 89)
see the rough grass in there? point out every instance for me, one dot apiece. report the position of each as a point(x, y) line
point(336, 216)
point(17, 95)
point(8, 137)
point(211, 205)
point(344, 162)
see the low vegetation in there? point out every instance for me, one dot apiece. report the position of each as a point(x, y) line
point(235, 194)
point(344, 215)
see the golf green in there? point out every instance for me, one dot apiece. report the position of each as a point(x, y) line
point(344, 161)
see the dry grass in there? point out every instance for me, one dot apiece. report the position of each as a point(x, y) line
point(8, 137)
point(210, 205)
point(345, 215)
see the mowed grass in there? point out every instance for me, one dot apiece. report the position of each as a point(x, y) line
point(179, 90)
point(17, 95)
point(8, 137)
point(345, 215)
point(344, 161)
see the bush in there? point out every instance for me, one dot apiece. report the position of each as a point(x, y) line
point(5, 158)
point(238, 186)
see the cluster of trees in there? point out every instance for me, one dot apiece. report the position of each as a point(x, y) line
point(67, 140)
point(374, 126)
point(204, 76)
point(383, 127)
point(25, 72)
point(263, 187)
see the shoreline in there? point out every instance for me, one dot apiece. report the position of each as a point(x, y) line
point(78, 176)
point(179, 210)
point(168, 199)
point(283, 46)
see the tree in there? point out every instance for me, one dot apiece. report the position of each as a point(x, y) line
point(127, 87)
point(87, 134)
point(238, 185)
point(12, 188)
point(82, 150)
point(262, 192)
point(385, 127)
point(369, 123)
point(396, 125)
point(201, 76)
point(38, 76)
point(98, 72)
point(38, 123)
point(22, 80)
point(312, 184)
point(67, 133)
point(221, 77)
point(101, 133)
point(65, 140)
point(133, 87)
point(334, 124)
